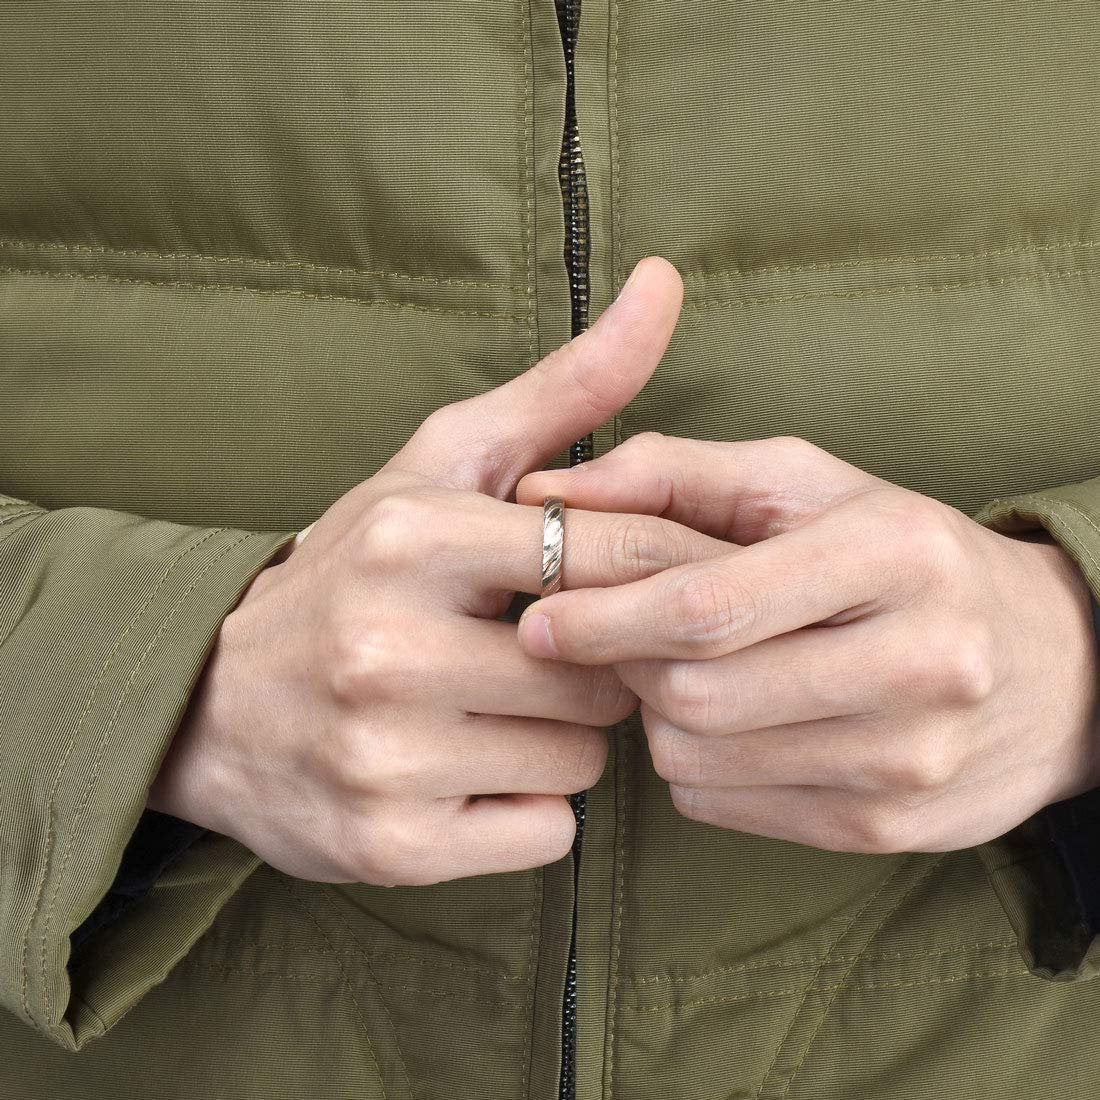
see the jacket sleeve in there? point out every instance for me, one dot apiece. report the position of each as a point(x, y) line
point(1046, 871)
point(106, 620)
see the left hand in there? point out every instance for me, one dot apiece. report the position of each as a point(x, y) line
point(866, 670)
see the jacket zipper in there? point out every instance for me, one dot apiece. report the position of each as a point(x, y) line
point(574, 191)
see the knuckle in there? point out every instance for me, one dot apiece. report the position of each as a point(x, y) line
point(925, 768)
point(880, 829)
point(364, 663)
point(644, 444)
point(446, 422)
point(969, 667)
point(639, 547)
point(710, 611)
point(933, 544)
point(883, 517)
point(685, 695)
point(605, 698)
point(389, 766)
point(553, 833)
point(589, 761)
point(392, 852)
point(676, 758)
point(686, 799)
point(393, 530)
point(795, 448)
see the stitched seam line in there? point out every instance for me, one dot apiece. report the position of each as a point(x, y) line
point(1060, 507)
point(917, 881)
point(981, 975)
point(295, 975)
point(55, 785)
point(328, 948)
point(815, 962)
point(379, 953)
point(535, 906)
point(888, 292)
point(527, 207)
point(278, 265)
point(529, 224)
point(335, 906)
point(848, 926)
point(100, 1022)
point(9, 517)
point(623, 758)
point(875, 261)
point(266, 292)
point(613, 168)
point(101, 751)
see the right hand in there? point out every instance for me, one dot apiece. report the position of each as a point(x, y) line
point(364, 692)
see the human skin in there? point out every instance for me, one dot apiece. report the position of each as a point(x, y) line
point(864, 669)
point(364, 692)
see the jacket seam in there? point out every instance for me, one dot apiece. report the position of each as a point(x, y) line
point(297, 975)
point(878, 261)
point(623, 773)
point(528, 212)
point(813, 987)
point(834, 988)
point(535, 907)
point(265, 292)
point(258, 261)
point(614, 169)
point(56, 784)
point(328, 893)
point(344, 978)
point(381, 953)
point(814, 963)
point(1071, 536)
point(898, 290)
point(101, 748)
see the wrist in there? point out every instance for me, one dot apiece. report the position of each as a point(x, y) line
point(191, 781)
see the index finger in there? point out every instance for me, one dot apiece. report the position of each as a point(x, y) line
point(706, 609)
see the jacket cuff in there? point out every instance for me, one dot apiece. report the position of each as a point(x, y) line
point(107, 620)
point(158, 841)
point(1046, 871)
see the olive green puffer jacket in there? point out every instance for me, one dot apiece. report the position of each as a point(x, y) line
point(246, 249)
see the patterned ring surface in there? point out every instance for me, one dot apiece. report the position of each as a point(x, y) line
point(553, 534)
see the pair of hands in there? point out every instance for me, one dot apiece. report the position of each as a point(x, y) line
point(819, 655)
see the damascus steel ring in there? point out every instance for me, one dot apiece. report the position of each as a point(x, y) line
point(553, 533)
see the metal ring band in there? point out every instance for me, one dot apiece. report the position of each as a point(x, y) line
point(553, 534)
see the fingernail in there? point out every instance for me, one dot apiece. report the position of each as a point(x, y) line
point(536, 634)
point(629, 280)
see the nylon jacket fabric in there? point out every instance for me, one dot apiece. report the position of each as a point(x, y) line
point(245, 250)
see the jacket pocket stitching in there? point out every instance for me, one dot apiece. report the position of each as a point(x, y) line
point(884, 261)
point(257, 261)
point(331, 901)
point(264, 292)
point(814, 963)
point(323, 980)
point(379, 953)
point(899, 290)
point(345, 980)
point(834, 989)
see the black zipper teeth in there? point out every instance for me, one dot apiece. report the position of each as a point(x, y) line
point(574, 191)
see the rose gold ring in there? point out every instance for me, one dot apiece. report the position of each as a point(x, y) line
point(553, 535)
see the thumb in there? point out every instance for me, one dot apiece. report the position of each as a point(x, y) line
point(488, 442)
